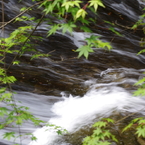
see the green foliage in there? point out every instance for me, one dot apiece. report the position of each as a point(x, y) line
point(140, 91)
point(114, 31)
point(139, 125)
point(53, 29)
point(96, 3)
point(71, 4)
point(100, 134)
point(58, 129)
point(31, 135)
point(80, 13)
point(4, 79)
point(24, 18)
point(16, 62)
point(141, 87)
point(140, 22)
point(111, 28)
point(141, 83)
point(19, 42)
point(84, 50)
point(92, 42)
point(68, 27)
point(9, 135)
point(70, 14)
point(77, 11)
point(38, 55)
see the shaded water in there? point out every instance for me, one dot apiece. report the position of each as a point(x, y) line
point(74, 93)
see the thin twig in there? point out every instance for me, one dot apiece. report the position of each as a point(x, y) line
point(15, 107)
point(3, 17)
point(3, 33)
point(20, 14)
point(128, 116)
point(26, 40)
point(9, 86)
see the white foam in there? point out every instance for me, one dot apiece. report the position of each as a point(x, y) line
point(75, 112)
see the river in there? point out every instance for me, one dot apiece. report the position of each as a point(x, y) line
point(74, 93)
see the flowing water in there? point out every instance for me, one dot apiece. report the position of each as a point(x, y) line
point(74, 93)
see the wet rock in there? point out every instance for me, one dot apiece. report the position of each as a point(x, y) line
point(141, 141)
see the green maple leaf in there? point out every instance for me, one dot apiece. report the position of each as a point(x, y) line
point(142, 121)
point(9, 135)
point(141, 131)
point(53, 29)
point(84, 50)
point(100, 124)
point(97, 131)
point(127, 127)
point(140, 81)
point(67, 27)
point(59, 132)
point(81, 13)
point(109, 120)
point(140, 91)
point(96, 3)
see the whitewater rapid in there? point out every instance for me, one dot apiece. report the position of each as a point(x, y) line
point(74, 112)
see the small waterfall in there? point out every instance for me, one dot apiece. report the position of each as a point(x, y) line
point(74, 93)
point(74, 112)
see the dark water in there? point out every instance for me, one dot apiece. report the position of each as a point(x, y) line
point(42, 82)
